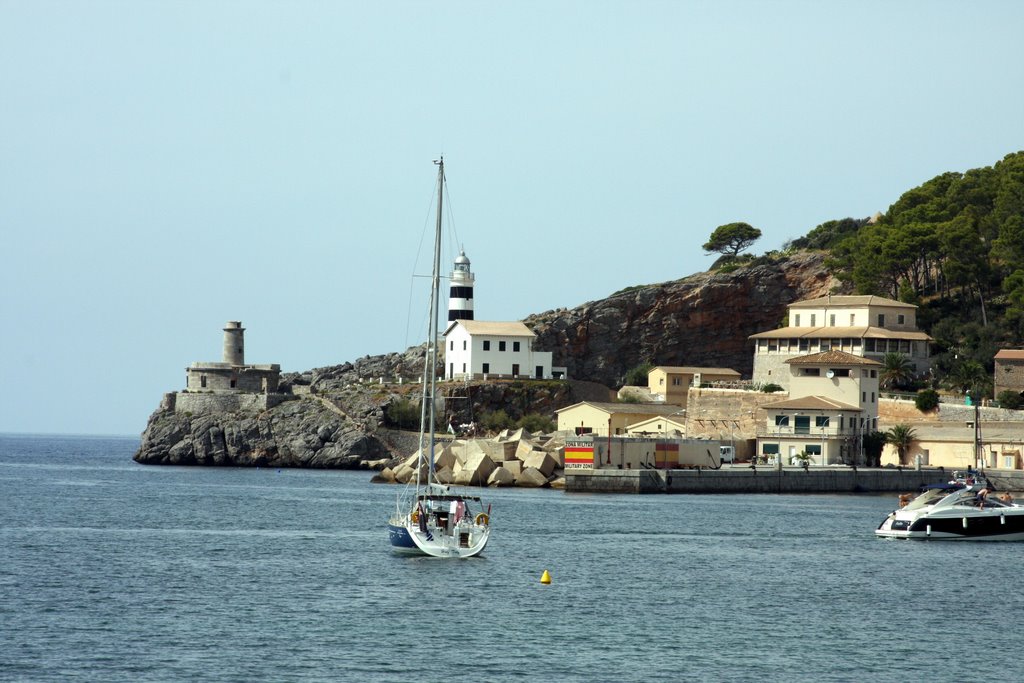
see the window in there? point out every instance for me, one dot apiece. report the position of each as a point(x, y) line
point(463, 368)
point(451, 345)
point(486, 368)
point(874, 373)
point(515, 346)
point(824, 345)
point(782, 420)
point(821, 421)
point(852, 318)
point(796, 320)
point(202, 381)
point(869, 345)
point(832, 320)
point(881, 319)
point(812, 372)
point(463, 344)
point(487, 346)
point(872, 397)
point(802, 424)
point(773, 346)
point(813, 316)
point(812, 449)
point(841, 372)
point(501, 346)
point(900, 319)
point(803, 345)
point(770, 448)
point(863, 396)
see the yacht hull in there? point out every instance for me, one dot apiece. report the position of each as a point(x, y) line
point(994, 525)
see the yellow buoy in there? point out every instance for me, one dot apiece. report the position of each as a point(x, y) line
point(545, 578)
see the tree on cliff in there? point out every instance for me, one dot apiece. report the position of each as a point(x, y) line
point(731, 239)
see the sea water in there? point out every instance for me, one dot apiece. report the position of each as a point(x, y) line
point(114, 571)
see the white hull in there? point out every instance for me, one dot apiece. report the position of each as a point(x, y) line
point(955, 514)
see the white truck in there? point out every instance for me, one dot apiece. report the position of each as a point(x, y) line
point(727, 453)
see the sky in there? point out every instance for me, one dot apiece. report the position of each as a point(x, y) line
point(166, 167)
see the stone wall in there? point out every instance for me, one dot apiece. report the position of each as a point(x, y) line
point(201, 403)
point(772, 368)
point(1009, 375)
point(729, 415)
point(893, 411)
point(761, 480)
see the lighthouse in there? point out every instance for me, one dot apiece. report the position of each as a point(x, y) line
point(460, 296)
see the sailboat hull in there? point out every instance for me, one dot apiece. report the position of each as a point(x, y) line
point(401, 541)
point(463, 541)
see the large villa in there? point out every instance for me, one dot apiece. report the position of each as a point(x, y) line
point(867, 326)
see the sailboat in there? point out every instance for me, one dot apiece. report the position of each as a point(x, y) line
point(432, 519)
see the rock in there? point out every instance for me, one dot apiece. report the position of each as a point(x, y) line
point(501, 477)
point(531, 478)
point(541, 461)
point(475, 471)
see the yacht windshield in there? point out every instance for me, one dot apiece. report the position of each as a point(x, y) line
point(929, 497)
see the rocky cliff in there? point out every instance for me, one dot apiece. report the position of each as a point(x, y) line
point(339, 416)
point(702, 320)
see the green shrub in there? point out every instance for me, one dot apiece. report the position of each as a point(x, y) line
point(404, 414)
point(770, 388)
point(1010, 399)
point(927, 400)
point(496, 421)
point(637, 377)
point(535, 422)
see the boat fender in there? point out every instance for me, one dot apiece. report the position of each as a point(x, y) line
point(965, 522)
point(415, 517)
point(482, 519)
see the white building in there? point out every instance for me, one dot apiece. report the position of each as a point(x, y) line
point(833, 402)
point(867, 326)
point(475, 348)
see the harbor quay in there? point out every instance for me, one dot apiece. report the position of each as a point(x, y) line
point(768, 479)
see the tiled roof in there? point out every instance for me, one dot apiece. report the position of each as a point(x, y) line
point(810, 403)
point(497, 329)
point(686, 369)
point(630, 408)
point(832, 357)
point(1010, 354)
point(850, 300)
point(840, 332)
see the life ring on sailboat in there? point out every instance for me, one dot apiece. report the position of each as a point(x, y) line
point(482, 519)
point(415, 516)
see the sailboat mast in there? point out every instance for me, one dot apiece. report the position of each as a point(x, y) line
point(435, 293)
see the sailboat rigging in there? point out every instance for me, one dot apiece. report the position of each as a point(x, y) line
point(435, 520)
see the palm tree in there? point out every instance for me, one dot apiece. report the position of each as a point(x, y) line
point(897, 371)
point(901, 437)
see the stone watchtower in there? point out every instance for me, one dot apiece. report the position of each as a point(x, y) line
point(232, 374)
point(234, 343)
point(460, 295)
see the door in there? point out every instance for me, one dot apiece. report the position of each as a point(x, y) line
point(540, 372)
point(515, 369)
